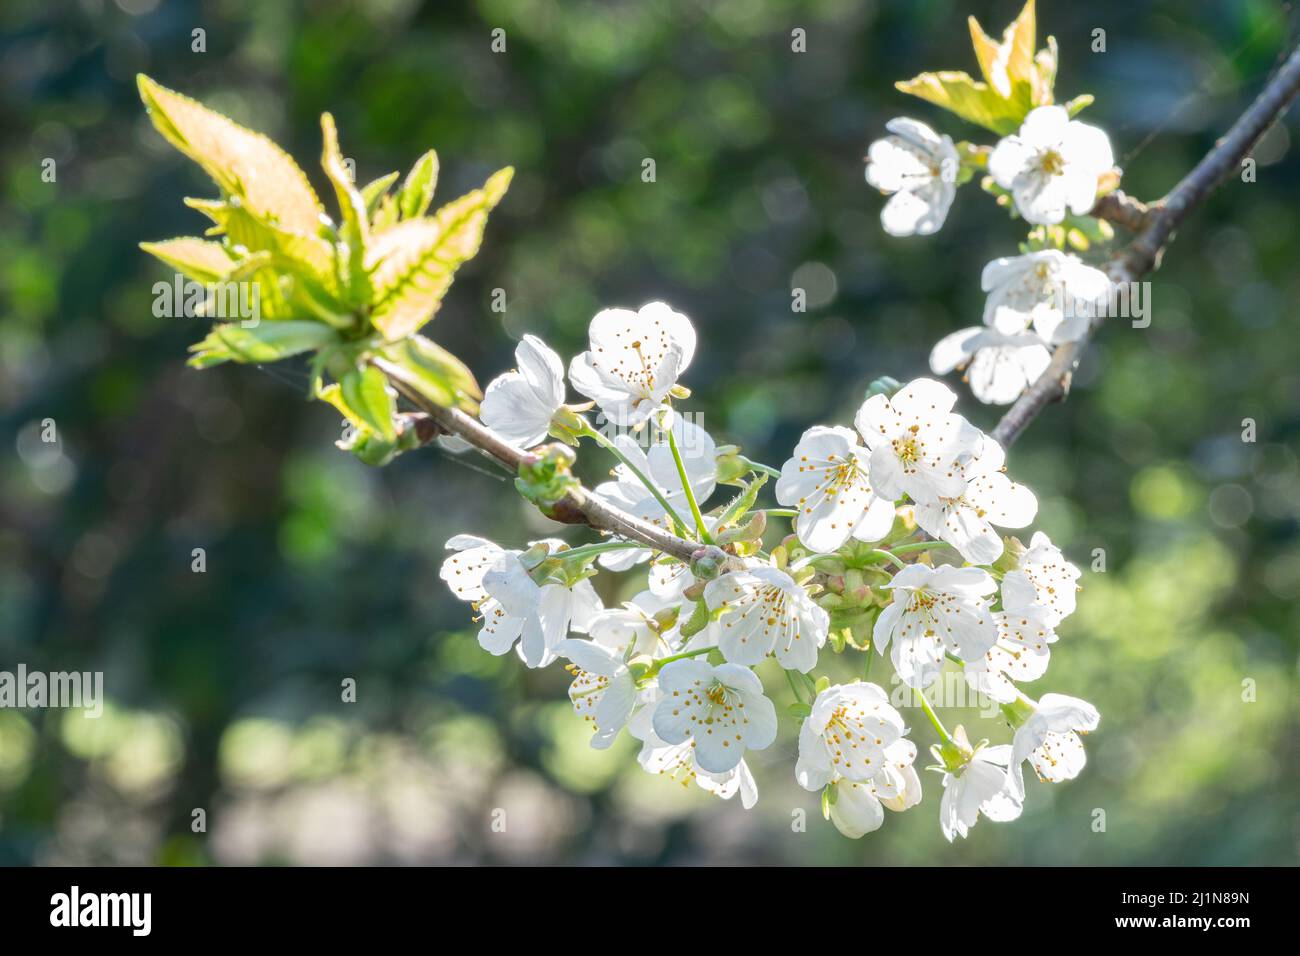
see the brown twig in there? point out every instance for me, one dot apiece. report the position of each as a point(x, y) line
point(1158, 224)
point(579, 507)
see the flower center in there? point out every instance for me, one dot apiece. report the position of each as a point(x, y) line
point(1051, 163)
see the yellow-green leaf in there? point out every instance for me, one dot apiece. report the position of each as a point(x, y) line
point(976, 102)
point(356, 225)
point(411, 265)
point(417, 190)
point(365, 391)
point(1011, 61)
point(243, 163)
point(435, 373)
point(196, 259)
point(266, 342)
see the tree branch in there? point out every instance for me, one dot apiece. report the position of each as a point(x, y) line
point(578, 507)
point(1156, 230)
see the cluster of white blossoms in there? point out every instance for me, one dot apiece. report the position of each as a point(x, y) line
point(1051, 171)
point(897, 553)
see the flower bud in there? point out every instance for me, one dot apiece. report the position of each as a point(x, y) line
point(708, 562)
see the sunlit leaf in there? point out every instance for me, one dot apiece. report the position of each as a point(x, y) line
point(412, 264)
point(244, 164)
point(265, 342)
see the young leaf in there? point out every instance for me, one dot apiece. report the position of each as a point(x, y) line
point(435, 373)
point(356, 222)
point(243, 163)
point(1010, 62)
point(196, 259)
point(417, 190)
point(267, 342)
point(412, 264)
point(365, 393)
point(374, 192)
point(973, 101)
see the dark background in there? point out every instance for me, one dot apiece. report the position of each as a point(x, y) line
point(223, 686)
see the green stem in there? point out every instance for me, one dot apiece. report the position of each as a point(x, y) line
point(780, 512)
point(679, 526)
point(587, 550)
point(794, 688)
point(690, 494)
point(759, 466)
point(888, 555)
point(934, 720)
point(919, 546)
point(659, 664)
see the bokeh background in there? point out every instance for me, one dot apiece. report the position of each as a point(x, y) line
point(224, 686)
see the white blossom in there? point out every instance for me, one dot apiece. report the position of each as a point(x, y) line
point(1042, 579)
point(990, 498)
point(765, 612)
point(918, 446)
point(1053, 292)
point(1022, 652)
point(519, 405)
point(677, 761)
point(848, 733)
point(721, 709)
point(827, 480)
point(919, 166)
point(633, 361)
point(1049, 740)
point(999, 367)
point(935, 610)
point(603, 691)
point(978, 786)
point(1052, 163)
point(515, 608)
point(633, 628)
point(699, 459)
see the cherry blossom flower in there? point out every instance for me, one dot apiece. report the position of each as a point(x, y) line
point(515, 608)
point(849, 733)
point(1049, 740)
point(999, 367)
point(699, 459)
point(1042, 579)
point(519, 405)
point(1021, 653)
point(857, 809)
point(918, 447)
point(1052, 163)
point(633, 629)
point(979, 786)
point(633, 361)
point(935, 610)
point(677, 762)
point(1053, 292)
point(763, 611)
point(919, 166)
point(720, 709)
point(603, 691)
point(827, 480)
point(990, 498)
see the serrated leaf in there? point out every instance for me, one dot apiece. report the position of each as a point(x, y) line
point(417, 189)
point(740, 505)
point(973, 101)
point(411, 265)
point(435, 373)
point(267, 342)
point(375, 190)
point(698, 620)
point(243, 163)
point(1011, 61)
point(196, 259)
point(366, 394)
point(356, 223)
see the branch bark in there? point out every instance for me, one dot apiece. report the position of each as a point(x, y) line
point(579, 507)
point(1156, 225)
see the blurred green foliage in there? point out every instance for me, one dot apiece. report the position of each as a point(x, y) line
point(224, 686)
